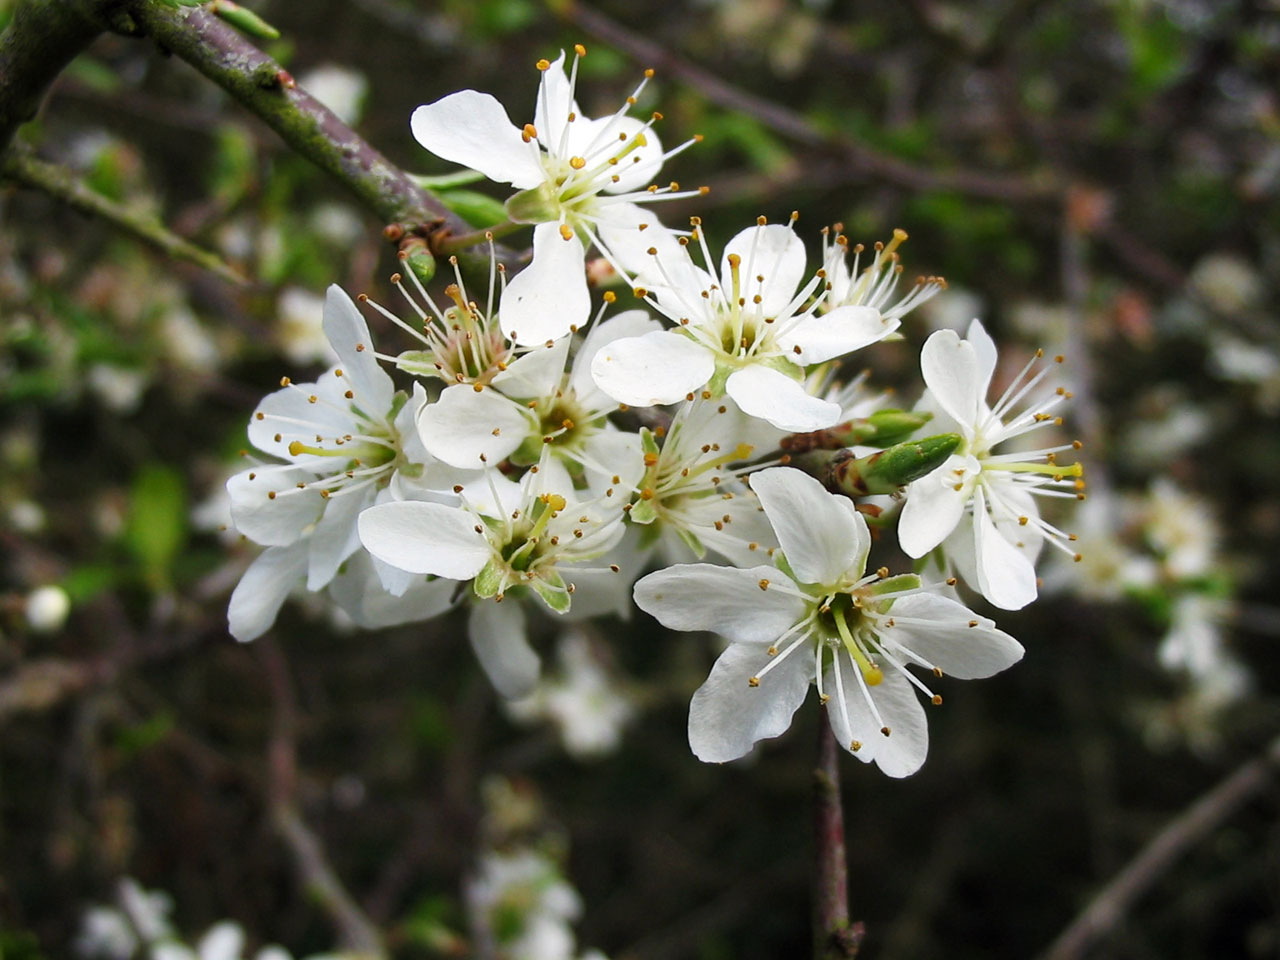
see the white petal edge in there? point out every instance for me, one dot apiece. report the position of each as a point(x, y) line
point(257, 598)
point(948, 642)
point(951, 372)
point(934, 506)
point(473, 129)
point(468, 429)
point(765, 393)
point(726, 600)
point(348, 334)
point(548, 298)
point(727, 715)
point(834, 334)
point(1005, 576)
point(824, 538)
point(427, 538)
point(658, 367)
point(497, 634)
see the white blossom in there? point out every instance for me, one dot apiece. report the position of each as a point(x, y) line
point(748, 331)
point(580, 179)
point(813, 615)
point(997, 490)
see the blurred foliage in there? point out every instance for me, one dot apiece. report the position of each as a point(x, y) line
point(126, 381)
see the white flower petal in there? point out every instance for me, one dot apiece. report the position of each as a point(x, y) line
point(555, 104)
point(629, 323)
point(726, 600)
point(948, 642)
point(1005, 576)
point(335, 537)
point(658, 367)
point(619, 454)
point(834, 334)
point(548, 298)
point(348, 334)
point(473, 129)
point(222, 941)
point(288, 415)
point(824, 538)
point(951, 372)
point(468, 429)
point(425, 538)
point(727, 715)
point(639, 166)
point(277, 520)
point(934, 506)
point(984, 349)
point(536, 374)
point(773, 252)
point(262, 590)
point(902, 752)
point(765, 393)
point(497, 633)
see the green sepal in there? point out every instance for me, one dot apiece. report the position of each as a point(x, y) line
point(489, 580)
point(553, 592)
point(643, 511)
point(244, 20)
point(446, 180)
point(648, 442)
point(887, 427)
point(692, 542)
point(420, 363)
point(478, 209)
point(780, 561)
point(532, 206)
point(903, 581)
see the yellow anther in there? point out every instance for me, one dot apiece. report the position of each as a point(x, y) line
point(529, 133)
point(566, 231)
point(577, 162)
point(543, 64)
point(579, 49)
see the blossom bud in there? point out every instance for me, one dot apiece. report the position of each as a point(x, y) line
point(882, 472)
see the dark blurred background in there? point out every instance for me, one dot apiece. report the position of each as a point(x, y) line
point(1101, 179)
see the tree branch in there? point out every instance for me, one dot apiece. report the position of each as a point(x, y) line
point(321, 882)
point(1109, 906)
point(22, 168)
point(40, 40)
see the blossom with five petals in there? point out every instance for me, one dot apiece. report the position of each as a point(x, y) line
point(577, 176)
point(749, 330)
point(813, 615)
point(998, 490)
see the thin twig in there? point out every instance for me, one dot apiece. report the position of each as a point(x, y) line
point(22, 168)
point(318, 877)
point(1112, 903)
point(834, 938)
point(789, 123)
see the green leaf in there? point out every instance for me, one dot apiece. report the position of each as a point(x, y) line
point(157, 525)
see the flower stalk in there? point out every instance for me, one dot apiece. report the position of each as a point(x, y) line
point(834, 937)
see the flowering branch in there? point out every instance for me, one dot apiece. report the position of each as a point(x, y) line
point(834, 938)
point(43, 37)
point(21, 167)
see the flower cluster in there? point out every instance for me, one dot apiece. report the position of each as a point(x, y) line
point(543, 457)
